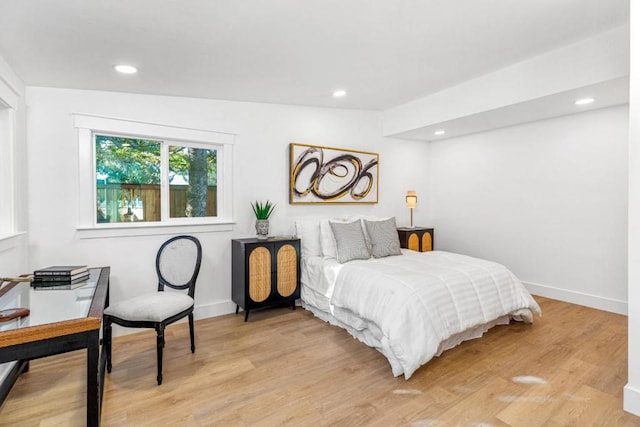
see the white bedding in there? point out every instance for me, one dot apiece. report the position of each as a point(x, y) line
point(411, 307)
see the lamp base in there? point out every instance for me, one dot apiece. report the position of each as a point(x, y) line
point(411, 217)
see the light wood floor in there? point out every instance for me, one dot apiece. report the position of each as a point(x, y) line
point(286, 367)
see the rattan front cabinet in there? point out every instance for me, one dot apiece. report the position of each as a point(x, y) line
point(265, 272)
point(418, 239)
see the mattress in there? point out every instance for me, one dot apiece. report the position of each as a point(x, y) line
point(414, 306)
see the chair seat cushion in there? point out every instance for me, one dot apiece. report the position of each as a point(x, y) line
point(154, 307)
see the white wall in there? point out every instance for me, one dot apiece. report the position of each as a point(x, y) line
point(632, 389)
point(548, 199)
point(261, 171)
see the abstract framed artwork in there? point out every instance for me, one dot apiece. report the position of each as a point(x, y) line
point(332, 175)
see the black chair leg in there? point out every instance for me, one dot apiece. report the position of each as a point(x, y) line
point(191, 333)
point(107, 341)
point(160, 345)
point(237, 308)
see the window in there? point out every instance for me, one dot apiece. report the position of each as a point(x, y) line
point(128, 180)
point(148, 175)
point(7, 191)
point(11, 182)
point(192, 182)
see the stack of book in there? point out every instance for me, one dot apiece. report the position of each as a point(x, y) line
point(60, 276)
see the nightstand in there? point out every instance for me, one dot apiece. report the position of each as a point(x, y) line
point(265, 272)
point(416, 238)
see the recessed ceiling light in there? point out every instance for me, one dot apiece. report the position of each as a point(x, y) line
point(584, 101)
point(439, 132)
point(125, 69)
point(339, 93)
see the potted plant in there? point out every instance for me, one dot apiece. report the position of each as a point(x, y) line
point(262, 211)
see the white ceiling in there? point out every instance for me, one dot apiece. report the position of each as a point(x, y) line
point(383, 52)
point(607, 94)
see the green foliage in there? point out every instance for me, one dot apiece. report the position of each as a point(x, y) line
point(137, 161)
point(263, 210)
point(128, 160)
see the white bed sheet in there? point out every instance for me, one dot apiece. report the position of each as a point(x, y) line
point(414, 306)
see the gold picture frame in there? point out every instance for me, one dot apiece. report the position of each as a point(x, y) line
point(319, 174)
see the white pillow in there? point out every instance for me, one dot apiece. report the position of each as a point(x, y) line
point(308, 231)
point(327, 242)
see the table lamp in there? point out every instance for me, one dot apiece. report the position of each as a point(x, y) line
point(412, 200)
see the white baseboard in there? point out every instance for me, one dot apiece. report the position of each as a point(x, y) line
point(217, 308)
point(580, 298)
point(631, 400)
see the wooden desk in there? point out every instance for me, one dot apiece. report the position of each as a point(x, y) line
point(60, 321)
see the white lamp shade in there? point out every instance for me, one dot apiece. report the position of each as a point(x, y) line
point(411, 198)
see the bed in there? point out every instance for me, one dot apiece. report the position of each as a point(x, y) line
point(410, 306)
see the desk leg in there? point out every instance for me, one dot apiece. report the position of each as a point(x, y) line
point(12, 376)
point(93, 383)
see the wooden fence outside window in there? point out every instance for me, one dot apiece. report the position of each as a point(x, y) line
point(141, 202)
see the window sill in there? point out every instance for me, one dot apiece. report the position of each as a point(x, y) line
point(142, 229)
point(10, 241)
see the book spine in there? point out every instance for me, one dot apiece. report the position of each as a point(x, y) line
point(47, 285)
point(52, 273)
point(58, 273)
point(60, 278)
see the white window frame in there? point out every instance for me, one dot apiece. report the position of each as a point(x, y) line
point(90, 125)
point(8, 201)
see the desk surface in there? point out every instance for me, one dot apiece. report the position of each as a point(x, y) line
point(49, 305)
point(53, 312)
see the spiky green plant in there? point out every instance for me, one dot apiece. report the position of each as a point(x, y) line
point(263, 210)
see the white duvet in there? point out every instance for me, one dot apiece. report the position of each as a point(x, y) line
point(413, 306)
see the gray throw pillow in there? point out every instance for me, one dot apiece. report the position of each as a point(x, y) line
point(350, 243)
point(384, 237)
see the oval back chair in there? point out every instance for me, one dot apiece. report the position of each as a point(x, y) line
point(177, 266)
